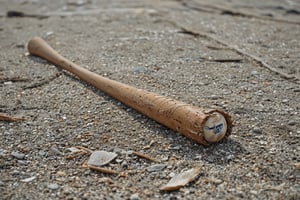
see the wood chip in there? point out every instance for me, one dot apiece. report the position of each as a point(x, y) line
point(181, 179)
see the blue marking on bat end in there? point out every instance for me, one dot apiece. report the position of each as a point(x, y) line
point(217, 128)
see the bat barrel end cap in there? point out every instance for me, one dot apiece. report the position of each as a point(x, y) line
point(215, 127)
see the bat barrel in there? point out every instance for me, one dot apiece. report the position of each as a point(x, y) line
point(203, 126)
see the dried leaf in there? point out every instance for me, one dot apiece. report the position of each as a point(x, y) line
point(181, 179)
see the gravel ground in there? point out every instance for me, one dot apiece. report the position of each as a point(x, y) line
point(245, 62)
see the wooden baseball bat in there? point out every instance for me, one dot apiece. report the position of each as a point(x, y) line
point(205, 126)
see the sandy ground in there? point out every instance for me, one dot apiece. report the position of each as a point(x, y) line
point(239, 56)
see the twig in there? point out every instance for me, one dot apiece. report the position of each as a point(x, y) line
point(42, 82)
point(138, 154)
point(227, 11)
point(4, 117)
point(84, 149)
point(102, 170)
point(257, 60)
point(74, 155)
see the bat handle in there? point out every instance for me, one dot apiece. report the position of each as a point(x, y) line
point(38, 47)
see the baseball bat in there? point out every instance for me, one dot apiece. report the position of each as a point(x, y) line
point(204, 126)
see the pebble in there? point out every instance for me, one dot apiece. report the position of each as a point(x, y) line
point(172, 174)
point(42, 153)
point(8, 83)
point(141, 70)
point(296, 90)
point(253, 192)
point(156, 167)
point(27, 180)
point(17, 155)
point(22, 162)
point(15, 172)
point(124, 164)
point(291, 123)
point(214, 97)
point(60, 173)
point(216, 181)
point(134, 196)
point(55, 151)
point(3, 152)
point(49, 33)
point(229, 158)
point(256, 130)
point(100, 158)
point(53, 186)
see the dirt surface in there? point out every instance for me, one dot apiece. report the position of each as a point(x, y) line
point(240, 56)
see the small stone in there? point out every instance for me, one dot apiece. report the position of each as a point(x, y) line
point(214, 97)
point(216, 181)
point(20, 46)
point(285, 100)
point(15, 172)
point(229, 157)
point(3, 152)
point(141, 70)
point(124, 164)
point(49, 33)
point(256, 130)
point(8, 83)
point(164, 158)
point(60, 173)
point(53, 186)
point(254, 73)
point(134, 196)
point(297, 165)
point(17, 155)
point(2, 184)
point(296, 90)
point(54, 150)
point(100, 158)
point(291, 123)
point(27, 180)
point(172, 174)
point(42, 153)
point(156, 167)
point(22, 162)
point(253, 192)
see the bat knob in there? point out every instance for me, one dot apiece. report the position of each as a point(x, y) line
point(215, 127)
